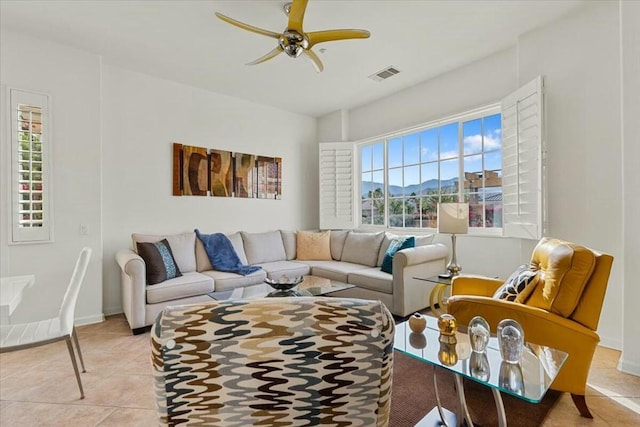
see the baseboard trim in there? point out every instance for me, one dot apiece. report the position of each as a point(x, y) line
point(89, 320)
point(632, 368)
point(110, 311)
point(609, 343)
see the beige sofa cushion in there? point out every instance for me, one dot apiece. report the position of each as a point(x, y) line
point(182, 247)
point(187, 285)
point(263, 247)
point(373, 279)
point(225, 281)
point(313, 245)
point(289, 241)
point(337, 243)
point(202, 259)
point(362, 248)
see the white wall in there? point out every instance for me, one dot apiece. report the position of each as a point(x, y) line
point(144, 115)
point(579, 56)
point(580, 59)
point(630, 16)
point(71, 77)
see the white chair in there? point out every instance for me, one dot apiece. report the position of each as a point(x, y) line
point(34, 334)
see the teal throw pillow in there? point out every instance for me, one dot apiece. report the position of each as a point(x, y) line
point(396, 245)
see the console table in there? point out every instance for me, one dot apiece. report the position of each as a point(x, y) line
point(11, 291)
point(528, 380)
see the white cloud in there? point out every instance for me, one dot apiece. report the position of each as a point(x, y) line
point(473, 143)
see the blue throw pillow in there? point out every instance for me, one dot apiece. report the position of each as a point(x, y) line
point(159, 262)
point(396, 245)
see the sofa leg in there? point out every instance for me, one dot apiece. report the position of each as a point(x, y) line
point(138, 331)
point(581, 404)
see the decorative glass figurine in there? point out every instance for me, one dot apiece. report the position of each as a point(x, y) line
point(447, 354)
point(417, 323)
point(510, 340)
point(510, 377)
point(447, 326)
point(479, 333)
point(479, 365)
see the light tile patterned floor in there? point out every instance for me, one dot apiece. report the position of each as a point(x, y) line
point(38, 388)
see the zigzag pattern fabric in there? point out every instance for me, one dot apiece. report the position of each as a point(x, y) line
point(274, 362)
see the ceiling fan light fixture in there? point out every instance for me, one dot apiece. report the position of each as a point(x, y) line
point(293, 43)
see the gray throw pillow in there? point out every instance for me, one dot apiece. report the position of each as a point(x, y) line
point(362, 248)
point(263, 247)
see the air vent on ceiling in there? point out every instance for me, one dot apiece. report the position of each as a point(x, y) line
point(384, 74)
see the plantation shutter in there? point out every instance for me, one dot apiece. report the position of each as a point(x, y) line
point(31, 218)
point(522, 162)
point(336, 164)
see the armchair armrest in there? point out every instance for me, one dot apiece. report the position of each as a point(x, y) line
point(539, 322)
point(475, 285)
point(133, 284)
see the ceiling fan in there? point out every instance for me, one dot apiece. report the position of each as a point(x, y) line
point(293, 40)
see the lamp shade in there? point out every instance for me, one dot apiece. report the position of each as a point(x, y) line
point(453, 218)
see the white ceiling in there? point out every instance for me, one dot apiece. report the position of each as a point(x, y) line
point(183, 41)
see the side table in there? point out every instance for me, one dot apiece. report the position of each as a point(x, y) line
point(437, 293)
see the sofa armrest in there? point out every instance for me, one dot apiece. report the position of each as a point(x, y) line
point(133, 286)
point(421, 254)
point(410, 294)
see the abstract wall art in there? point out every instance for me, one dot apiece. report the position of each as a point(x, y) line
point(219, 173)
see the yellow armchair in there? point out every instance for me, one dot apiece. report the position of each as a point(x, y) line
point(562, 311)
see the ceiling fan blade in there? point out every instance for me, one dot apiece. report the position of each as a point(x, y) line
point(311, 55)
point(296, 15)
point(275, 52)
point(248, 27)
point(316, 37)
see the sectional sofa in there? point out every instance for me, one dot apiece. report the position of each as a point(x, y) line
point(355, 258)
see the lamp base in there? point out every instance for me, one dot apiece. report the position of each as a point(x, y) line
point(445, 276)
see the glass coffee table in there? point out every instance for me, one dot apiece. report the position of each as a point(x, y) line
point(310, 286)
point(528, 380)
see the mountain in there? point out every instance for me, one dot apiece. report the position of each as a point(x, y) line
point(396, 190)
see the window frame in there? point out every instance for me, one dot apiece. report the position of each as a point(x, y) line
point(460, 118)
point(29, 235)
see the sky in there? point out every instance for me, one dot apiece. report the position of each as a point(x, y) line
point(413, 158)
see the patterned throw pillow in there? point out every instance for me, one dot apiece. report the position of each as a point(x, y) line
point(396, 245)
point(159, 261)
point(519, 285)
point(313, 246)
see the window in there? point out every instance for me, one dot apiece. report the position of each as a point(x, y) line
point(492, 158)
point(30, 147)
point(458, 159)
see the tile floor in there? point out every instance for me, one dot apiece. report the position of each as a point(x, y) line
point(38, 388)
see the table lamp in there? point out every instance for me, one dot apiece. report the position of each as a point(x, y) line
point(453, 218)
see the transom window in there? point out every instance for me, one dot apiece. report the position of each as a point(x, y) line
point(404, 176)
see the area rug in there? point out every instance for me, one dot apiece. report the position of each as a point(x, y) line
point(413, 397)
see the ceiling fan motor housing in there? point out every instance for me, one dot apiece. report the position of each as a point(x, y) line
point(293, 43)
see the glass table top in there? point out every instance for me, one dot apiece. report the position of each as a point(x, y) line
point(529, 380)
point(436, 279)
point(310, 286)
